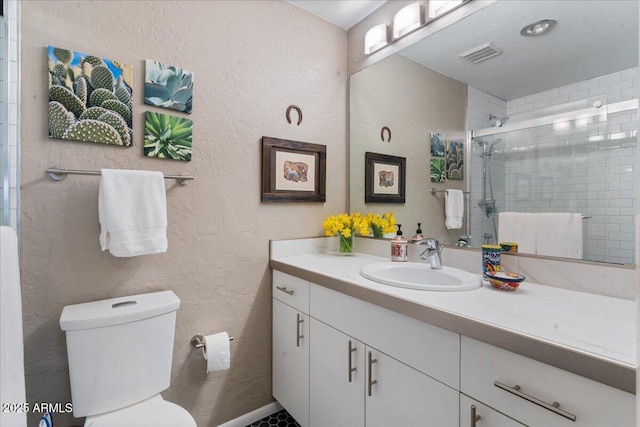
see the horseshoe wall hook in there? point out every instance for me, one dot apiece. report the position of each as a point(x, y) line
point(294, 107)
point(382, 134)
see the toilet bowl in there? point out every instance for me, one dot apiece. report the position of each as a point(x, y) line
point(154, 411)
point(120, 353)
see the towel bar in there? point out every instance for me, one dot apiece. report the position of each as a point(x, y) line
point(58, 173)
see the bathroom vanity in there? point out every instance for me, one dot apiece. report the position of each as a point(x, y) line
point(351, 352)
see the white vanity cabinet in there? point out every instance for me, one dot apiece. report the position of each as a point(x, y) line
point(337, 378)
point(538, 394)
point(290, 340)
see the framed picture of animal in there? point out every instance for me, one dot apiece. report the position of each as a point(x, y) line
point(293, 171)
point(384, 180)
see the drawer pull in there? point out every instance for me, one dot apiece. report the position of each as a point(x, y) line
point(351, 368)
point(474, 417)
point(298, 335)
point(371, 362)
point(285, 290)
point(553, 407)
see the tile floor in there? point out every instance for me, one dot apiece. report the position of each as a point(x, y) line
point(279, 419)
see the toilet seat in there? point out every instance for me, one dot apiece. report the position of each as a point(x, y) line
point(153, 412)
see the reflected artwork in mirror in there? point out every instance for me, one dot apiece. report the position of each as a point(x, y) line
point(547, 128)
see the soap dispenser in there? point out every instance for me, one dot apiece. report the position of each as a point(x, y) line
point(399, 246)
point(418, 236)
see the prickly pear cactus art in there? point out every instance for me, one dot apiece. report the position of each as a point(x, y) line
point(89, 98)
point(168, 86)
point(455, 160)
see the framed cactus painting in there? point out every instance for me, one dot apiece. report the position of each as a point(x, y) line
point(89, 98)
point(168, 86)
point(437, 141)
point(167, 137)
point(455, 160)
point(437, 170)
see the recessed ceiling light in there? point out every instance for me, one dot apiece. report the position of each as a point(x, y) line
point(538, 28)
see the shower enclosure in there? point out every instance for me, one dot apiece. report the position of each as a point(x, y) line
point(575, 157)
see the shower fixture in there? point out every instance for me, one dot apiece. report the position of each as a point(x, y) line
point(498, 121)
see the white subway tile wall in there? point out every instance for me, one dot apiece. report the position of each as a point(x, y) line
point(9, 166)
point(587, 165)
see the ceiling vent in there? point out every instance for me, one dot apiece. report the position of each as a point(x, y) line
point(480, 53)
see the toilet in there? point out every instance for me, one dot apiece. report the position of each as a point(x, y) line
point(120, 352)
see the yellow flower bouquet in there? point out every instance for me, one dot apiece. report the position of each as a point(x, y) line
point(381, 224)
point(345, 226)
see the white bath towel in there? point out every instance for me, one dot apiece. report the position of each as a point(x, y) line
point(453, 209)
point(560, 234)
point(132, 209)
point(520, 228)
point(12, 388)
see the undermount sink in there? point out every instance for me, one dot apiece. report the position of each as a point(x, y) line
point(414, 275)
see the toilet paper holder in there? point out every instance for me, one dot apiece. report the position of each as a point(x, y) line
point(198, 341)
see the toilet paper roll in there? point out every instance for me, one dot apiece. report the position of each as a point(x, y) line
point(217, 352)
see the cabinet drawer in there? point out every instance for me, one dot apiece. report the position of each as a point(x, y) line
point(490, 375)
point(429, 349)
point(484, 416)
point(291, 290)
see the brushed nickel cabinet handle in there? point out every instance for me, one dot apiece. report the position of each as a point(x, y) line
point(351, 368)
point(474, 417)
point(285, 290)
point(553, 407)
point(298, 336)
point(370, 369)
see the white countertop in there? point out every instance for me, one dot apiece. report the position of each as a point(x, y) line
point(580, 324)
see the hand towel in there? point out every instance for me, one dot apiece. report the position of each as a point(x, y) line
point(132, 209)
point(453, 209)
point(12, 387)
point(518, 227)
point(560, 234)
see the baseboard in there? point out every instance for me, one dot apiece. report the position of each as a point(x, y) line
point(253, 416)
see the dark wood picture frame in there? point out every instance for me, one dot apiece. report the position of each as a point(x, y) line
point(270, 170)
point(371, 181)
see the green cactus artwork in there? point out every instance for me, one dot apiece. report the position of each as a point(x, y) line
point(455, 160)
point(167, 137)
point(437, 170)
point(168, 86)
point(89, 98)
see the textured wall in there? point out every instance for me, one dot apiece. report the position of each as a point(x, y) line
point(420, 102)
point(250, 61)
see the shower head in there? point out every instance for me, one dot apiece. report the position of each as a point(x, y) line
point(497, 122)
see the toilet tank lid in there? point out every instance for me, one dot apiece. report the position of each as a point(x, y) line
point(115, 311)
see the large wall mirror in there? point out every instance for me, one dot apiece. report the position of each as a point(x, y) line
point(548, 125)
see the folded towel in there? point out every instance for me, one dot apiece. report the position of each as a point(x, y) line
point(132, 209)
point(12, 387)
point(520, 228)
point(453, 209)
point(560, 234)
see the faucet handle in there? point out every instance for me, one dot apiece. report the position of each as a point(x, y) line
point(433, 244)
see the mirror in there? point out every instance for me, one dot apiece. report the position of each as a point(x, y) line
point(554, 121)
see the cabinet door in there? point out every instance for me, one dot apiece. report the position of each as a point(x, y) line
point(475, 414)
point(337, 378)
point(291, 360)
point(398, 395)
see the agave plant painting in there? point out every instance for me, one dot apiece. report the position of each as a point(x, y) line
point(437, 170)
point(168, 86)
point(89, 98)
point(167, 137)
point(455, 160)
point(437, 144)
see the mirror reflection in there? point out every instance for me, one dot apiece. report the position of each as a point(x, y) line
point(548, 126)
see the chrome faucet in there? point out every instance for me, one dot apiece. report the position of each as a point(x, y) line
point(432, 253)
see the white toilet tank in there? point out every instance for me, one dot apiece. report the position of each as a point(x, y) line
point(119, 350)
